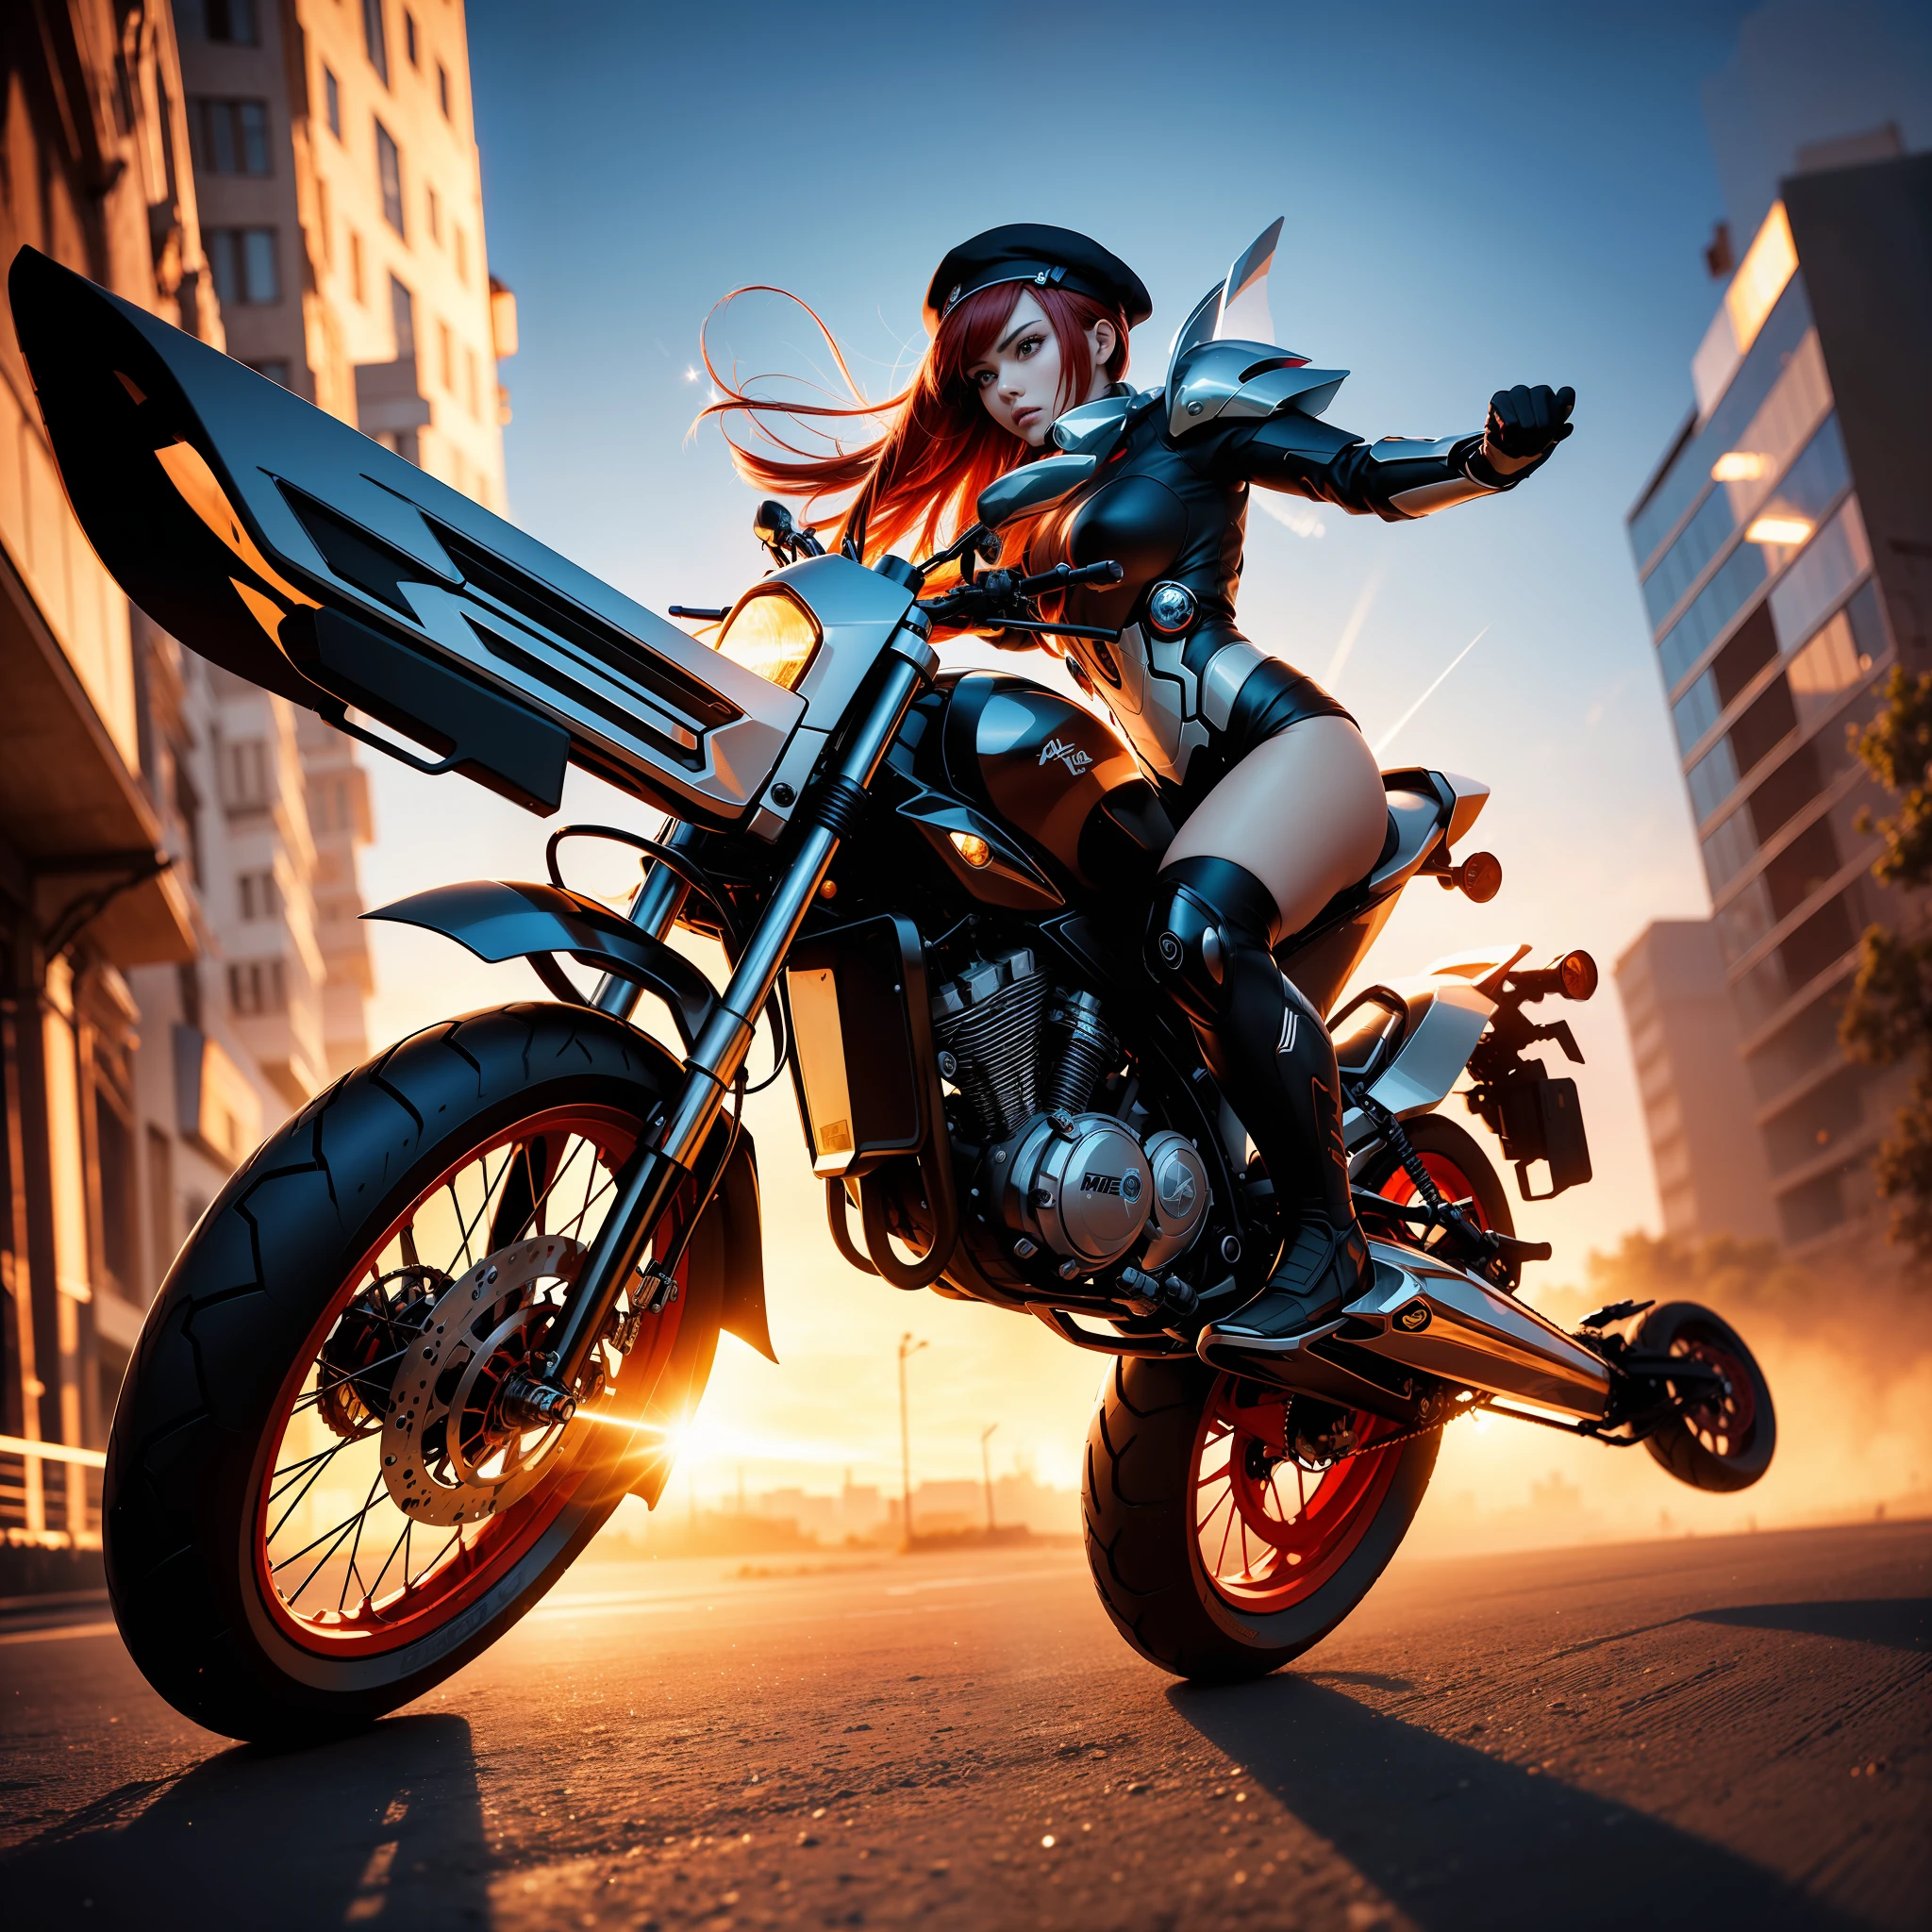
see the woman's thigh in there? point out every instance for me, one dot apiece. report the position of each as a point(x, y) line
point(1304, 812)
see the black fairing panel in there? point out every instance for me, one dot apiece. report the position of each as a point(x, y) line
point(1055, 774)
point(300, 555)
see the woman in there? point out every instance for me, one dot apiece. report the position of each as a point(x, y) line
point(1279, 801)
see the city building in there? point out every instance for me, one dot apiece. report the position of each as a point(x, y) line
point(181, 960)
point(1784, 547)
point(341, 204)
point(1711, 1178)
point(105, 853)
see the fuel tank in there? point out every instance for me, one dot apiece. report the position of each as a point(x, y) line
point(1057, 776)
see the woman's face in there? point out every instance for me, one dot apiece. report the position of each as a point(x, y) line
point(1020, 377)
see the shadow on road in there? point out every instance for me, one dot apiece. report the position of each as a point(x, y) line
point(386, 1823)
point(1457, 1840)
point(1899, 1622)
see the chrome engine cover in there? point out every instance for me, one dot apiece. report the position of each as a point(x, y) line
point(1181, 1196)
point(1081, 1184)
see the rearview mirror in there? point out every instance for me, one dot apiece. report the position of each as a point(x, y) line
point(1031, 486)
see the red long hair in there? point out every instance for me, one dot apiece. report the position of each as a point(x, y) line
point(940, 448)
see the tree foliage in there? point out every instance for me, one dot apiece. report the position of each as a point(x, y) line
point(1887, 1017)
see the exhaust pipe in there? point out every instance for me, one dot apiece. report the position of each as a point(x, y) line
point(1426, 1316)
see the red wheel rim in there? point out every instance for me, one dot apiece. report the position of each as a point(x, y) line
point(1720, 1417)
point(339, 1568)
point(1452, 1183)
point(1270, 1530)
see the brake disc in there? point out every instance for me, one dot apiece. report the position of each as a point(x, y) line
point(447, 1457)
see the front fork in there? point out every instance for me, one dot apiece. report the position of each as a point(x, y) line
point(647, 1181)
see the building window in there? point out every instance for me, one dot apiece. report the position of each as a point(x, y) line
point(257, 986)
point(447, 348)
point(402, 314)
point(259, 895)
point(275, 367)
point(462, 247)
point(1686, 474)
point(244, 775)
point(232, 21)
point(410, 38)
point(1832, 563)
point(244, 268)
point(1730, 589)
point(1744, 475)
point(470, 373)
point(1839, 658)
point(324, 227)
point(442, 88)
point(388, 173)
point(374, 39)
point(355, 283)
point(434, 211)
point(332, 101)
point(114, 1151)
point(231, 136)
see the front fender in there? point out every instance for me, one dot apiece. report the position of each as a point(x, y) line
point(502, 919)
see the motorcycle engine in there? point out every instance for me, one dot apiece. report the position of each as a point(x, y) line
point(1024, 1058)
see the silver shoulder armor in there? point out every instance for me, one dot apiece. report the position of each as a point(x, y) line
point(1095, 428)
point(1226, 380)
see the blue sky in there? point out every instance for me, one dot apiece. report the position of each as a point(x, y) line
point(1474, 197)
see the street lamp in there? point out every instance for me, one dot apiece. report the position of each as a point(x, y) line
point(907, 1346)
point(985, 1471)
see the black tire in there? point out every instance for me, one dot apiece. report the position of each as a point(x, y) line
point(1138, 1496)
point(210, 1383)
point(1724, 1443)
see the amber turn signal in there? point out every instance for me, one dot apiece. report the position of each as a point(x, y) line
point(1478, 878)
point(971, 848)
point(1578, 974)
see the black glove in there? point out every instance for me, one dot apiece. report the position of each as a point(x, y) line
point(1526, 424)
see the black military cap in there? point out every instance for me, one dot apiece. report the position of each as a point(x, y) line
point(1027, 252)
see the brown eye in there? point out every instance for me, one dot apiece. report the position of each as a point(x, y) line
point(1028, 346)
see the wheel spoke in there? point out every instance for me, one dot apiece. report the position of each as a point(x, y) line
point(334, 1539)
point(567, 1187)
point(291, 1469)
point(313, 1476)
point(323, 1388)
point(576, 1221)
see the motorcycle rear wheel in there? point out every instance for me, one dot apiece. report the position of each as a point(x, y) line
point(266, 1578)
point(1216, 1559)
point(1724, 1437)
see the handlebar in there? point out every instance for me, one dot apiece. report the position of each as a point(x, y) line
point(1005, 597)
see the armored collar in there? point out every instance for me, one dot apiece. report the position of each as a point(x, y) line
point(1095, 428)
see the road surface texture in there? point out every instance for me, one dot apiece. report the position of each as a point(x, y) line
point(1719, 1733)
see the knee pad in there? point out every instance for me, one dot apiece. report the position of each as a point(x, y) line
point(1203, 911)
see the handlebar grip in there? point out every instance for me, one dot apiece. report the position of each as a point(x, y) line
point(1063, 577)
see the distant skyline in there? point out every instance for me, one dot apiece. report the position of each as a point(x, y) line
point(1495, 195)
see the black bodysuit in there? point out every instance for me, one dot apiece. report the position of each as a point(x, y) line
point(1169, 503)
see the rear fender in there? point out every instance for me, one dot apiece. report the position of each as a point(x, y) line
point(1444, 1016)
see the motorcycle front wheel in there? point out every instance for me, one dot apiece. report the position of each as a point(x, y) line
point(1220, 1554)
point(314, 1508)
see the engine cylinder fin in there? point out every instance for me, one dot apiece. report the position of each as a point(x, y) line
point(1078, 1050)
point(987, 1021)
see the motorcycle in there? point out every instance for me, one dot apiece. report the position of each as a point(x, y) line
point(475, 1286)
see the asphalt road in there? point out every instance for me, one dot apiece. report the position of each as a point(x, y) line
point(1723, 1733)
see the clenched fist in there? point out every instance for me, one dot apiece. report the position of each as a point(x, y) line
point(1526, 424)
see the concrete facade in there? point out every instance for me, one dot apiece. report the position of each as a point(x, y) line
point(125, 1097)
point(1711, 1176)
